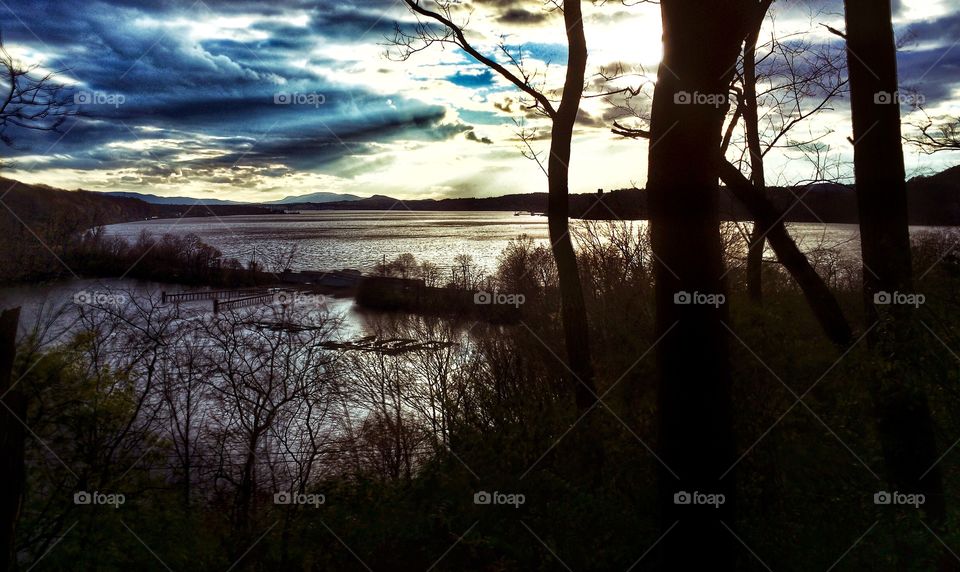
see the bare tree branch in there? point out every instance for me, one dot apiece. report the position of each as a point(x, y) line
point(30, 100)
point(423, 37)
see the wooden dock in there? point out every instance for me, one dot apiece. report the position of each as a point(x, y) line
point(233, 303)
point(200, 295)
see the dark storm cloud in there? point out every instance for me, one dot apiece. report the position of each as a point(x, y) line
point(520, 16)
point(934, 74)
point(519, 12)
point(137, 71)
point(472, 136)
point(928, 62)
point(945, 29)
point(299, 138)
point(931, 64)
point(346, 21)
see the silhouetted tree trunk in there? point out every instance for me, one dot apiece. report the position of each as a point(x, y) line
point(11, 438)
point(822, 302)
point(702, 40)
point(905, 424)
point(573, 307)
point(575, 327)
point(878, 154)
point(751, 119)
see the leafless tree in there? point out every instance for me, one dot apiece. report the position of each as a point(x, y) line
point(563, 115)
point(260, 372)
point(789, 83)
point(935, 134)
point(702, 43)
point(905, 423)
point(32, 99)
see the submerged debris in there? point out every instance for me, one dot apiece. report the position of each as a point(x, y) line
point(388, 346)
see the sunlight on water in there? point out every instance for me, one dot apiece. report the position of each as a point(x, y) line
point(359, 239)
point(355, 239)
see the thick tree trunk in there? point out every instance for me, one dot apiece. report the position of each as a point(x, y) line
point(905, 424)
point(822, 302)
point(573, 308)
point(12, 436)
point(702, 39)
point(878, 154)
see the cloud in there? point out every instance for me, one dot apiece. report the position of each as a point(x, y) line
point(472, 136)
point(932, 65)
point(520, 16)
point(200, 85)
point(944, 30)
point(213, 90)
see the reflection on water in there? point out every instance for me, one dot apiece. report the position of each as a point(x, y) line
point(359, 239)
point(328, 240)
point(355, 239)
point(54, 306)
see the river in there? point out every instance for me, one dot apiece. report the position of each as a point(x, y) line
point(329, 240)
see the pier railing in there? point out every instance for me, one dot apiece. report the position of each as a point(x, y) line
point(259, 298)
point(178, 297)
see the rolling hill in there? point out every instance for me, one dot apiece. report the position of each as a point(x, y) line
point(933, 200)
point(319, 197)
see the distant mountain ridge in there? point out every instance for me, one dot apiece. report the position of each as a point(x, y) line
point(38, 206)
point(932, 200)
point(319, 197)
point(158, 200)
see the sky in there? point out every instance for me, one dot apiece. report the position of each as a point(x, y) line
point(254, 101)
